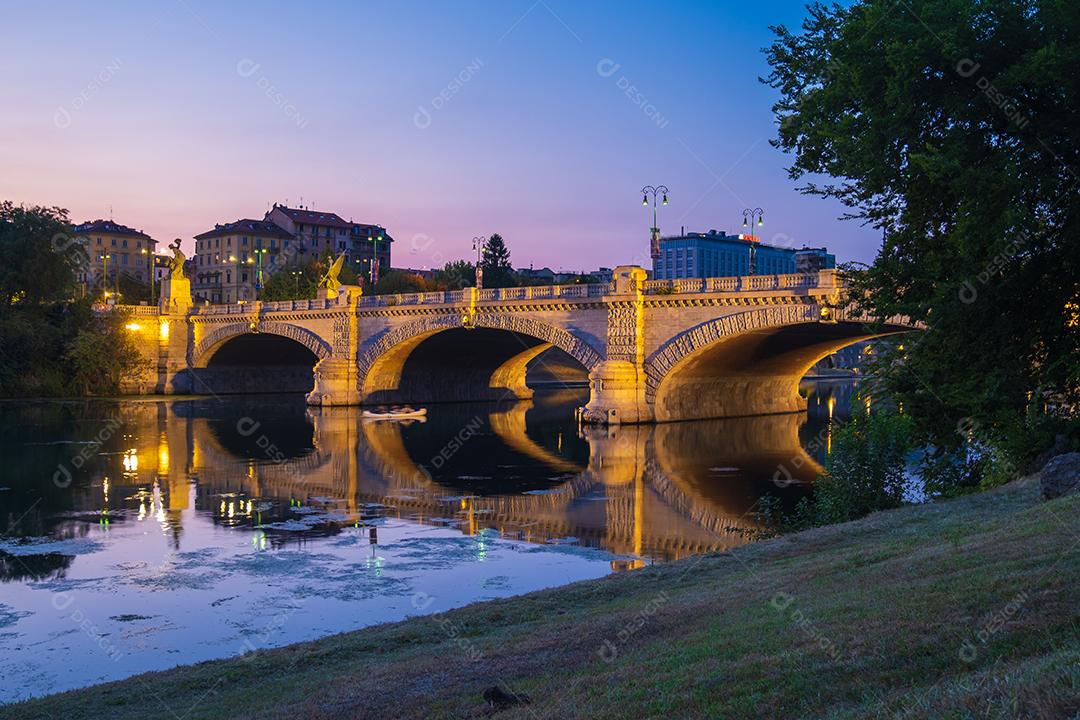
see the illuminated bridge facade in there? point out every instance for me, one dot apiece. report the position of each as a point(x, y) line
point(650, 350)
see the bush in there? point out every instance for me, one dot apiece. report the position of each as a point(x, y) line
point(100, 355)
point(866, 472)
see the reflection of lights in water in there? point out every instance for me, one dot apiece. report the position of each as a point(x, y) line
point(559, 444)
point(867, 401)
point(221, 510)
point(131, 460)
point(258, 540)
point(249, 508)
point(158, 505)
point(639, 513)
point(232, 508)
point(142, 510)
point(832, 405)
point(163, 455)
point(481, 546)
point(105, 489)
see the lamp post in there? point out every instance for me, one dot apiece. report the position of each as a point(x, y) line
point(748, 218)
point(236, 277)
point(259, 252)
point(654, 231)
point(104, 257)
point(375, 239)
point(478, 244)
point(296, 281)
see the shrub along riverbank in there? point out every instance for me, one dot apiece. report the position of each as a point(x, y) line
point(962, 608)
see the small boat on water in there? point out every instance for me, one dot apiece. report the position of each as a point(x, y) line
point(395, 413)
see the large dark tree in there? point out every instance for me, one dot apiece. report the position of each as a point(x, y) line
point(496, 263)
point(950, 125)
point(39, 255)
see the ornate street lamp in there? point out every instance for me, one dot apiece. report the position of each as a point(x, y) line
point(654, 231)
point(748, 217)
point(104, 257)
point(478, 244)
point(375, 240)
point(259, 252)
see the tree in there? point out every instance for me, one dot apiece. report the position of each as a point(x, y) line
point(949, 125)
point(455, 275)
point(496, 263)
point(39, 255)
point(396, 281)
point(101, 354)
point(496, 254)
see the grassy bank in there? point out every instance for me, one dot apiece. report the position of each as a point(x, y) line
point(962, 609)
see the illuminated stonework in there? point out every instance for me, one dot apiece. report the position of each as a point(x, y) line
point(653, 350)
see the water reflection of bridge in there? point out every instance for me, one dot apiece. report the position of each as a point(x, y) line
point(661, 491)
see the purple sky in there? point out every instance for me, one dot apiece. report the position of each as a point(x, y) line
point(536, 119)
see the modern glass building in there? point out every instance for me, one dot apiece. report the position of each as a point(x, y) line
point(717, 254)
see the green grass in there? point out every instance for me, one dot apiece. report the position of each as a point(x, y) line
point(866, 619)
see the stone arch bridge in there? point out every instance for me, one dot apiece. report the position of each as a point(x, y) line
point(652, 350)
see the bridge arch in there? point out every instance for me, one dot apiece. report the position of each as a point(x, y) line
point(498, 371)
point(750, 363)
point(210, 343)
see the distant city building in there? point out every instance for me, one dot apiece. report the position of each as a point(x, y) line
point(319, 232)
point(425, 273)
point(540, 276)
point(233, 260)
point(226, 264)
point(717, 254)
point(809, 260)
point(114, 250)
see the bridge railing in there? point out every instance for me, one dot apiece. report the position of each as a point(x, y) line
point(137, 309)
point(821, 279)
point(742, 283)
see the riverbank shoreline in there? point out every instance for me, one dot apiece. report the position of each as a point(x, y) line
point(961, 605)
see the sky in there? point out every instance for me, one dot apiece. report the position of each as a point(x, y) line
point(540, 120)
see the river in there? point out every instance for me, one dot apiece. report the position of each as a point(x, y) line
point(140, 534)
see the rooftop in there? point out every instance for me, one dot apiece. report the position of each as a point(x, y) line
point(313, 217)
point(246, 226)
point(108, 227)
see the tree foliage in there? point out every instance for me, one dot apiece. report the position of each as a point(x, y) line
point(949, 125)
point(38, 255)
point(496, 263)
point(867, 472)
point(101, 354)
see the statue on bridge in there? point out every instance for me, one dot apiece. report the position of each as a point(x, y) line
point(330, 279)
point(176, 288)
point(176, 262)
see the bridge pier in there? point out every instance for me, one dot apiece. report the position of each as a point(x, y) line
point(337, 382)
point(617, 395)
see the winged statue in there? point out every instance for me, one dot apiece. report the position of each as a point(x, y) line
point(330, 279)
